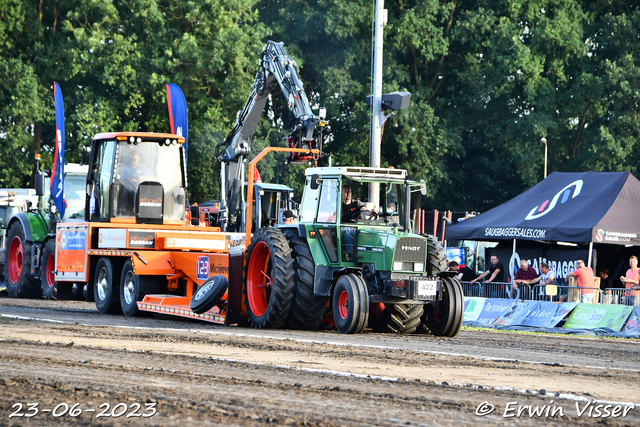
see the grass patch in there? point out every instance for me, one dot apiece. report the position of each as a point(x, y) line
point(548, 334)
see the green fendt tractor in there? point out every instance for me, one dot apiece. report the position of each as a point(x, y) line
point(362, 262)
point(30, 238)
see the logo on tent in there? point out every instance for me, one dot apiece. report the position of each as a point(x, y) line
point(600, 235)
point(547, 207)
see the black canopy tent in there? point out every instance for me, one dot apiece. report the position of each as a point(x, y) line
point(583, 207)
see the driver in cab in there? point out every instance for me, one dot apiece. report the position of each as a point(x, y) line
point(351, 209)
point(132, 171)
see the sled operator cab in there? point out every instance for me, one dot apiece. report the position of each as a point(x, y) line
point(133, 178)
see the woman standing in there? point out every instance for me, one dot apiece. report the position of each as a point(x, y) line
point(631, 280)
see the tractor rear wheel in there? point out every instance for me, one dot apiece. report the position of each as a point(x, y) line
point(50, 288)
point(436, 262)
point(350, 304)
point(268, 278)
point(397, 318)
point(105, 286)
point(307, 310)
point(17, 265)
point(444, 317)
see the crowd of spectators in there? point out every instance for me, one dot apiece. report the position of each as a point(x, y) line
point(527, 275)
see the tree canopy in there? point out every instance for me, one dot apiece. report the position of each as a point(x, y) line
point(489, 79)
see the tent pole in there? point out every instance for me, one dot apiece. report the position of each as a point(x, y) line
point(513, 255)
point(590, 253)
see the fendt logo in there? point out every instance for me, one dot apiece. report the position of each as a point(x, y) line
point(411, 248)
point(547, 207)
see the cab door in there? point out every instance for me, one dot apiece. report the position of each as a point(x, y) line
point(327, 219)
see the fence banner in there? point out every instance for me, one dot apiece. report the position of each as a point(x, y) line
point(472, 308)
point(591, 316)
point(633, 324)
point(541, 314)
point(493, 308)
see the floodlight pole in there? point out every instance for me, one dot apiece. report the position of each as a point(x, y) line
point(376, 113)
point(544, 141)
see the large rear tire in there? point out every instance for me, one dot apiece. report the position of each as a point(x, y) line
point(444, 317)
point(436, 261)
point(350, 304)
point(52, 290)
point(17, 265)
point(106, 287)
point(268, 279)
point(397, 318)
point(307, 310)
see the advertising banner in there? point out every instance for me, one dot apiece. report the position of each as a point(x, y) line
point(57, 173)
point(591, 316)
point(178, 117)
point(541, 314)
point(493, 308)
point(633, 324)
point(472, 308)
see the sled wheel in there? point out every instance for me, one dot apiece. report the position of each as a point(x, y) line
point(105, 288)
point(268, 275)
point(209, 294)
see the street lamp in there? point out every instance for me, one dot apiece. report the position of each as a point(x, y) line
point(544, 141)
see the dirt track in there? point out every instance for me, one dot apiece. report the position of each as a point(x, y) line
point(204, 374)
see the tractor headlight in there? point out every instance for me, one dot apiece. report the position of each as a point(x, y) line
point(418, 266)
point(397, 266)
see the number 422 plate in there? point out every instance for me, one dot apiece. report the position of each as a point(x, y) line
point(427, 287)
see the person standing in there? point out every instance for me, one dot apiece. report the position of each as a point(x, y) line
point(585, 278)
point(605, 280)
point(631, 280)
point(547, 277)
point(525, 275)
point(495, 273)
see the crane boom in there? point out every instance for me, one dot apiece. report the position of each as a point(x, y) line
point(306, 130)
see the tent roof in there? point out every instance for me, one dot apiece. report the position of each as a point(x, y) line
point(568, 207)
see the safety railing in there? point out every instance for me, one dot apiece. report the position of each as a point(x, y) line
point(496, 290)
point(618, 296)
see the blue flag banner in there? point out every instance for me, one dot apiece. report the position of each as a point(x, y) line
point(178, 113)
point(57, 174)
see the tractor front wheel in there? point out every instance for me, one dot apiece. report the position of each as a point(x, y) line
point(17, 264)
point(444, 317)
point(268, 279)
point(350, 304)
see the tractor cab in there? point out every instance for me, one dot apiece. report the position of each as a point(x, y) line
point(351, 229)
point(271, 202)
point(136, 177)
